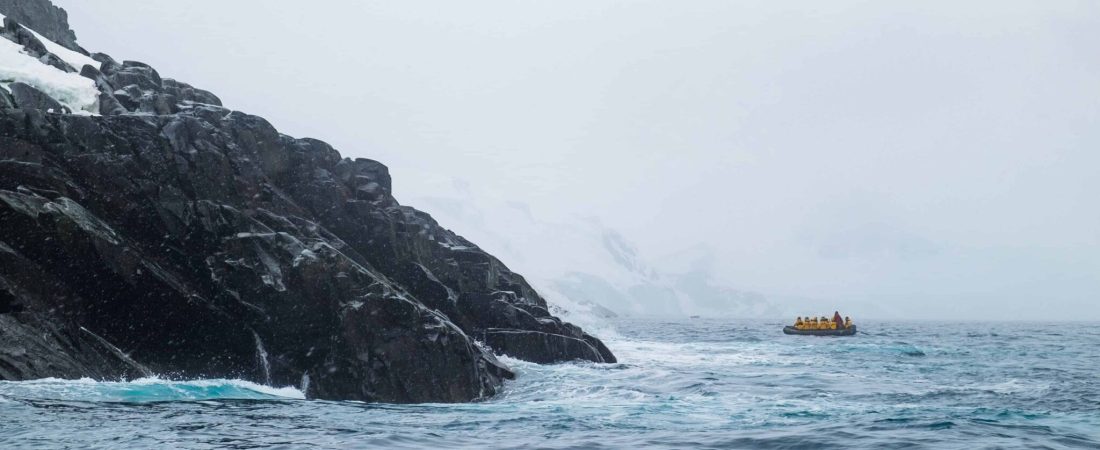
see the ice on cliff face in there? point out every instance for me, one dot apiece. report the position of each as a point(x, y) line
point(70, 89)
point(77, 60)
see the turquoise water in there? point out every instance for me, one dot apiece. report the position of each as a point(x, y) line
point(691, 383)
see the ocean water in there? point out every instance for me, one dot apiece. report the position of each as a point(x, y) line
point(681, 384)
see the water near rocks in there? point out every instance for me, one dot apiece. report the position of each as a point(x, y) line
point(693, 383)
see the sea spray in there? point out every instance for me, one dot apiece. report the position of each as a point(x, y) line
point(261, 355)
point(304, 386)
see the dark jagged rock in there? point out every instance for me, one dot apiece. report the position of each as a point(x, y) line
point(27, 97)
point(139, 88)
point(45, 18)
point(186, 93)
point(175, 236)
point(536, 346)
point(45, 345)
point(108, 104)
point(6, 100)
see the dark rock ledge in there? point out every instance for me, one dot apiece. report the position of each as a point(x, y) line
point(174, 236)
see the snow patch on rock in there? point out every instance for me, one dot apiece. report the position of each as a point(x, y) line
point(75, 59)
point(69, 89)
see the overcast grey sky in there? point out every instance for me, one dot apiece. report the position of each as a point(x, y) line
point(944, 156)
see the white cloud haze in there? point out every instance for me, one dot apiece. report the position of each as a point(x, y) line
point(941, 158)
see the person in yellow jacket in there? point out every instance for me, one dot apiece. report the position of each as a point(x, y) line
point(847, 322)
point(798, 324)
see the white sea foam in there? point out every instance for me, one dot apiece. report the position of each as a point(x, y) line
point(285, 392)
point(1013, 386)
point(144, 390)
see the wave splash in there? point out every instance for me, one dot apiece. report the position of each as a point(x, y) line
point(143, 390)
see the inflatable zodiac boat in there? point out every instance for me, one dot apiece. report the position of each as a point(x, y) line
point(838, 332)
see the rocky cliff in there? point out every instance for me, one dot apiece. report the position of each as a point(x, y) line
point(47, 19)
point(157, 232)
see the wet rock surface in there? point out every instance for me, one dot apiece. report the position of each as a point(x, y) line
point(174, 236)
point(27, 96)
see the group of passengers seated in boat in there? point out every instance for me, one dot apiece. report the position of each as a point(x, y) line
point(823, 323)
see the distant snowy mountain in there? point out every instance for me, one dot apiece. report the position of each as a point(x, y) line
point(584, 266)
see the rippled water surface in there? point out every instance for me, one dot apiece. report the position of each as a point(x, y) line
point(691, 383)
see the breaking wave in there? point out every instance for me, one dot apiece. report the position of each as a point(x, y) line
point(143, 390)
